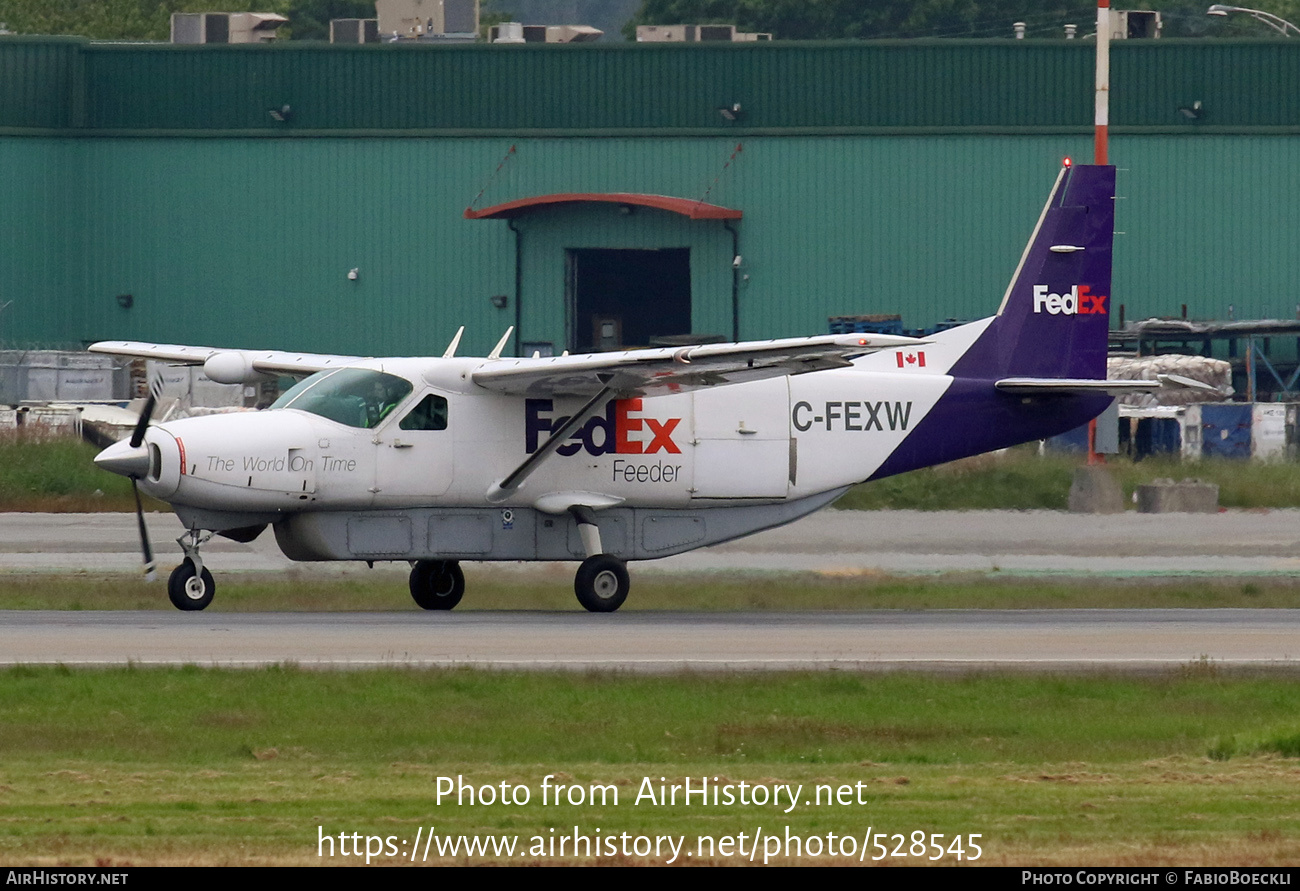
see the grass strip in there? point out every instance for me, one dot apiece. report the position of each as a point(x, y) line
point(550, 588)
point(208, 766)
point(1020, 479)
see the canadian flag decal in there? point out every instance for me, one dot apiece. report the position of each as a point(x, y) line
point(910, 360)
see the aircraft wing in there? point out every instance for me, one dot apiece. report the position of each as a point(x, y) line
point(269, 361)
point(656, 372)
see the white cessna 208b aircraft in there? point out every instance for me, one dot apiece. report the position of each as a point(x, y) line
point(621, 456)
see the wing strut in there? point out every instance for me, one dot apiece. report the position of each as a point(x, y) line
point(504, 489)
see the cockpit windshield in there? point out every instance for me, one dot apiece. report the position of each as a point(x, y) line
point(357, 397)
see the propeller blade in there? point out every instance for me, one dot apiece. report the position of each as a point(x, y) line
point(150, 566)
point(155, 390)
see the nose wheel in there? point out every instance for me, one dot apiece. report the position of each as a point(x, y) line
point(190, 586)
point(189, 589)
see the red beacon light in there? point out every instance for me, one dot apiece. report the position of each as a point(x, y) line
point(1066, 162)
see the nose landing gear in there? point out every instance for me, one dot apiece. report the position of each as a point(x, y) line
point(190, 586)
point(189, 590)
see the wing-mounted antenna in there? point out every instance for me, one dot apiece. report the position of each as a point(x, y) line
point(501, 344)
point(455, 342)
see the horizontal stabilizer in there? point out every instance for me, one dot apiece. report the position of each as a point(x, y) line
point(1178, 380)
point(1052, 386)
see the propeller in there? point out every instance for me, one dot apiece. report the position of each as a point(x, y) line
point(137, 438)
point(150, 566)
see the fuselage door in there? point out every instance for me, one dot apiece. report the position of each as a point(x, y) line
point(413, 454)
point(742, 440)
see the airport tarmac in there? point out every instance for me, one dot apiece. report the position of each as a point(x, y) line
point(1127, 641)
point(1015, 543)
point(896, 542)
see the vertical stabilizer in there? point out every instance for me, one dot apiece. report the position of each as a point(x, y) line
point(1055, 315)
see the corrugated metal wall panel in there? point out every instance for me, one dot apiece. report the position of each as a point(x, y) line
point(38, 78)
point(1211, 222)
point(249, 241)
point(994, 84)
point(229, 241)
point(1239, 84)
point(39, 242)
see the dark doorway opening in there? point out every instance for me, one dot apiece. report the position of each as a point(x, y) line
point(625, 298)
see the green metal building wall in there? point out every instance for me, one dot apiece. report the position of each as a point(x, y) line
point(227, 228)
point(226, 241)
point(1029, 84)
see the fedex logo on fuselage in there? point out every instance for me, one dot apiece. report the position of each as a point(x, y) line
point(1078, 301)
point(621, 430)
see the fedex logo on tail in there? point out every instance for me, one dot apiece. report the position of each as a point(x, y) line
point(1078, 301)
point(621, 430)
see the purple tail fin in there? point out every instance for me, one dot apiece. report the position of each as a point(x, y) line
point(1055, 316)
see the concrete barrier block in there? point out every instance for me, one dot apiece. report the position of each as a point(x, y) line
point(1186, 497)
point(1095, 491)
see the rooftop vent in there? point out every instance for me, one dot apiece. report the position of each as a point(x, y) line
point(225, 27)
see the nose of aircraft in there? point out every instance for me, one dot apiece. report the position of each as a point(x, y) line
point(121, 458)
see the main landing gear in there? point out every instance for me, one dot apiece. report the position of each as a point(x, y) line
point(437, 584)
point(602, 582)
point(190, 586)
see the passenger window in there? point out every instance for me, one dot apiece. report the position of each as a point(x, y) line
point(430, 414)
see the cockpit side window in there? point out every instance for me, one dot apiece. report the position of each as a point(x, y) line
point(356, 397)
point(430, 414)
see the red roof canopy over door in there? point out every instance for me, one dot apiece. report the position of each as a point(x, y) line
point(687, 207)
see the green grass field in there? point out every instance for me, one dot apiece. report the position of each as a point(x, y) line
point(1022, 480)
point(550, 588)
point(190, 766)
point(59, 475)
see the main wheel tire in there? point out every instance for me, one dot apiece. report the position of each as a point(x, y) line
point(437, 584)
point(189, 590)
point(601, 583)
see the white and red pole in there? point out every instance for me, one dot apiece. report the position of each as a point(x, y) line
point(1101, 114)
point(1100, 122)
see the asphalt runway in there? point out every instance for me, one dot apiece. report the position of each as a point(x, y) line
point(962, 640)
point(899, 542)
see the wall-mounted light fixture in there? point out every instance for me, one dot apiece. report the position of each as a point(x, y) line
point(354, 273)
point(500, 301)
point(281, 114)
point(731, 112)
point(126, 301)
point(1192, 112)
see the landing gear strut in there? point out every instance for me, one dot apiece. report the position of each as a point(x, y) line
point(602, 582)
point(437, 584)
point(190, 586)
